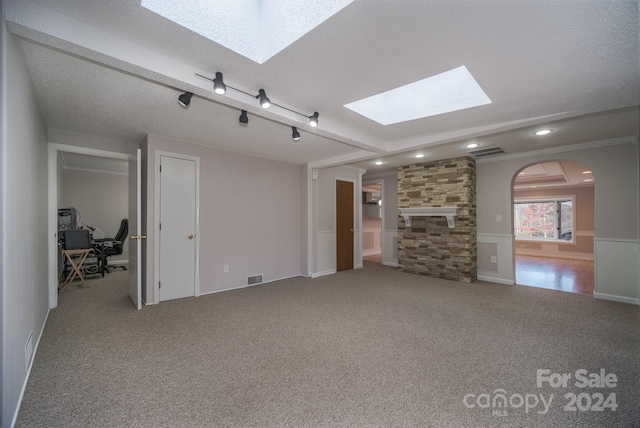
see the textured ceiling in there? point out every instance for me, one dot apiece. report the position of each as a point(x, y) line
point(115, 69)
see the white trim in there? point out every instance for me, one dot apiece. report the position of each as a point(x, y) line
point(553, 150)
point(613, 298)
point(53, 150)
point(449, 212)
point(627, 241)
point(323, 273)
point(494, 235)
point(496, 280)
point(95, 170)
point(26, 378)
point(156, 223)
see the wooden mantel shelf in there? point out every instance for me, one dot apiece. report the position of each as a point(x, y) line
point(449, 212)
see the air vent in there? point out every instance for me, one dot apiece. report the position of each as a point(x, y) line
point(255, 279)
point(486, 152)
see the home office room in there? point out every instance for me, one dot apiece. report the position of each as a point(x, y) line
point(92, 200)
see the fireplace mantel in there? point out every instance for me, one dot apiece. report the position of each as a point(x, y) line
point(449, 212)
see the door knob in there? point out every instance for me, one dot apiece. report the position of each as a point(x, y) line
point(352, 230)
point(190, 236)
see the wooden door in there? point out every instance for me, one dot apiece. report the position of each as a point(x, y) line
point(344, 224)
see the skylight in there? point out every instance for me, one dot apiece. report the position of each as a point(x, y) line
point(450, 91)
point(256, 29)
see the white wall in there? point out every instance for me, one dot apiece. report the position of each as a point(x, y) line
point(323, 225)
point(102, 200)
point(249, 216)
point(25, 293)
point(615, 169)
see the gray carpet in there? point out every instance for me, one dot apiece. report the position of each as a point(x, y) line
point(365, 348)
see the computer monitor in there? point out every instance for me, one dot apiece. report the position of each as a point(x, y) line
point(76, 238)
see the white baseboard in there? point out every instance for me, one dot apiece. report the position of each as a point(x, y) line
point(250, 285)
point(621, 299)
point(392, 264)
point(323, 273)
point(497, 280)
point(26, 378)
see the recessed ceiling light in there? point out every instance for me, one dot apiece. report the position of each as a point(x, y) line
point(472, 145)
point(589, 179)
point(419, 155)
point(378, 163)
point(522, 173)
point(542, 132)
point(533, 187)
point(586, 172)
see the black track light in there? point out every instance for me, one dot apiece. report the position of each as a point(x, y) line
point(313, 119)
point(244, 119)
point(185, 99)
point(265, 102)
point(295, 135)
point(218, 84)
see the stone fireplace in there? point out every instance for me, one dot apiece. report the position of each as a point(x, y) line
point(436, 242)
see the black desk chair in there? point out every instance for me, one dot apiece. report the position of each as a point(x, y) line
point(117, 247)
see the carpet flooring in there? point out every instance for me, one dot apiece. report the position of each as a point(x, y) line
point(371, 347)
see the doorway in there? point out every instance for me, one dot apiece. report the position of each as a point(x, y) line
point(344, 224)
point(177, 227)
point(113, 162)
point(372, 222)
point(553, 215)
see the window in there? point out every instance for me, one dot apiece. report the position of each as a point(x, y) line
point(544, 219)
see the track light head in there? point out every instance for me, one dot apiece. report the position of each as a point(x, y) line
point(265, 102)
point(185, 99)
point(313, 119)
point(244, 119)
point(295, 134)
point(218, 84)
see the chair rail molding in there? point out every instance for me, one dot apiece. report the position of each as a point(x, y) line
point(449, 212)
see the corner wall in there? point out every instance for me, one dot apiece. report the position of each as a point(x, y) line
point(25, 294)
point(249, 216)
point(428, 246)
point(615, 169)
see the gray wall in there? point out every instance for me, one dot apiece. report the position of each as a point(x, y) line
point(25, 295)
point(249, 216)
point(102, 200)
point(615, 169)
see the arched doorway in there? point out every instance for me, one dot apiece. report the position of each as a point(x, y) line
point(553, 224)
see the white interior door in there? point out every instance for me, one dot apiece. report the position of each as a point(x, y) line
point(177, 228)
point(135, 217)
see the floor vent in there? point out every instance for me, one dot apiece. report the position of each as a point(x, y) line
point(486, 152)
point(255, 279)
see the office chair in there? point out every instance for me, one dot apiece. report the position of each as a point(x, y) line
point(116, 248)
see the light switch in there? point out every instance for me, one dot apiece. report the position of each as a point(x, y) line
point(498, 218)
point(494, 259)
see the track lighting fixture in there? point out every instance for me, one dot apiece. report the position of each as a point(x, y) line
point(265, 102)
point(295, 135)
point(244, 119)
point(185, 99)
point(313, 119)
point(218, 84)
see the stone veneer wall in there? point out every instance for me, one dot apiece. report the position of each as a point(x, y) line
point(429, 247)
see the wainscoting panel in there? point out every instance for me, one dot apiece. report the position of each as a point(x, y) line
point(617, 273)
point(504, 272)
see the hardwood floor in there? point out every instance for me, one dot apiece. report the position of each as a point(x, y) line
point(373, 258)
point(574, 276)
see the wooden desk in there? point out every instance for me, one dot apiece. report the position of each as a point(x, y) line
point(76, 265)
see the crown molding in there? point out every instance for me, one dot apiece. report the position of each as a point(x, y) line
point(561, 149)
